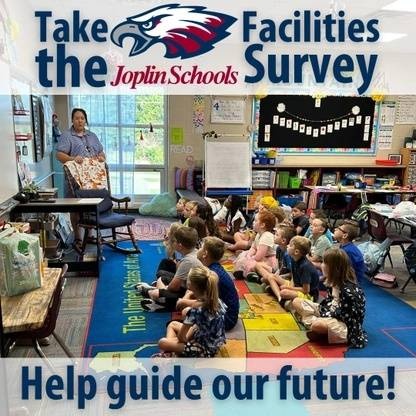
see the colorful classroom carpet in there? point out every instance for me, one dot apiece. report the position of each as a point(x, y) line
point(266, 329)
point(118, 326)
point(151, 228)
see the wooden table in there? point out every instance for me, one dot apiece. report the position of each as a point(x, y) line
point(28, 311)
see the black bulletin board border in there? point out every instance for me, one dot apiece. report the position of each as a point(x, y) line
point(336, 123)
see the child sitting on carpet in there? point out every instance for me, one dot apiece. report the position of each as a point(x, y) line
point(319, 241)
point(318, 213)
point(204, 211)
point(244, 239)
point(201, 333)
point(187, 211)
point(262, 249)
point(299, 218)
point(345, 234)
point(199, 224)
point(171, 286)
point(305, 277)
point(180, 208)
point(210, 255)
point(263, 273)
point(169, 240)
point(339, 317)
point(231, 217)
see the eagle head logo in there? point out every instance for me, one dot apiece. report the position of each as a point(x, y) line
point(186, 31)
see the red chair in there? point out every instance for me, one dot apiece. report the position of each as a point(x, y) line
point(377, 230)
point(337, 207)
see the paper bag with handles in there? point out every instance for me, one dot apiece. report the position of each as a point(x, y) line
point(19, 263)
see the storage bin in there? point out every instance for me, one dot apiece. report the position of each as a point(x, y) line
point(264, 161)
point(290, 200)
point(255, 160)
point(283, 179)
point(294, 182)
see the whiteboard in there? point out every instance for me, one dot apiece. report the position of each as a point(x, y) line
point(228, 110)
point(227, 164)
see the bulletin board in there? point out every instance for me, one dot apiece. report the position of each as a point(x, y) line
point(228, 110)
point(306, 124)
point(227, 164)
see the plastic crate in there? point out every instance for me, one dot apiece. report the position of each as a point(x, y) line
point(283, 179)
point(294, 182)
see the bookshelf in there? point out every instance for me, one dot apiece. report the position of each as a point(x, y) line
point(315, 174)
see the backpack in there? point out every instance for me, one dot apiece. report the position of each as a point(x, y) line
point(360, 214)
point(374, 255)
point(410, 259)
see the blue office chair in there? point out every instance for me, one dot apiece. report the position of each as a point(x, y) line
point(109, 218)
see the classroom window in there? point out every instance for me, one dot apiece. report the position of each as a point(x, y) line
point(132, 130)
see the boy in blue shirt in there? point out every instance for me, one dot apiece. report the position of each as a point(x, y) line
point(210, 255)
point(345, 234)
point(305, 278)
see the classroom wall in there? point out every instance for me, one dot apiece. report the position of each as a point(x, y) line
point(181, 108)
point(180, 113)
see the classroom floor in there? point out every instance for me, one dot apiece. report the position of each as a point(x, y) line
point(78, 295)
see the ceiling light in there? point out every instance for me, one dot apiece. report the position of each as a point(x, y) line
point(401, 6)
point(390, 37)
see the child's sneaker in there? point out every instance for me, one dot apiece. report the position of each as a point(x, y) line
point(143, 289)
point(239, 275)
point(151, 306)
point(163, 355)
point(318, 338)
point(253, 277)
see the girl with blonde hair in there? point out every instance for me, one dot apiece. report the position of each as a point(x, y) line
point(201, 333)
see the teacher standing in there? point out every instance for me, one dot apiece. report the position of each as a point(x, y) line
point(76, 144)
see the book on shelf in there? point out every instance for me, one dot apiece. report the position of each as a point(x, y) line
point(272, 182)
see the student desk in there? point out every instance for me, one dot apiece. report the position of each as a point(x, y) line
point(28, 311)
point(81, 205)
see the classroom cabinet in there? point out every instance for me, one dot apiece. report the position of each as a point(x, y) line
point(409, 162)
point(282, 179)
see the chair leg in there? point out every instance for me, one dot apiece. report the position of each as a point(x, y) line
point(41, 354)
point(389, 256)
point(411, 277)
point(133, 239)
point(100, 245)
point(84, 242)
point(61, 342)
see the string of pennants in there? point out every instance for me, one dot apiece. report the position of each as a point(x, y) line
point(285, 119)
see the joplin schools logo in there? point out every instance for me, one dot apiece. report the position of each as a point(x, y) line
point(186, 31)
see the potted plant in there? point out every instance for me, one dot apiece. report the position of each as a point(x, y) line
point(32, 190)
